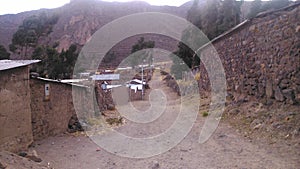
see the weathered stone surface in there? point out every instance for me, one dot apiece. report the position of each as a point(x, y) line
point(104, 98)
point(266, 62)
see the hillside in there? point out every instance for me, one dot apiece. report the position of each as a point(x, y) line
point(79, 19)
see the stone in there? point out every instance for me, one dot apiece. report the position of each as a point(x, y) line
point(297, 81)
point(234, 112)
point(229, 97)
point(2, 166)
point(110, 107)
point(155, 165)
point(284, 84)
point(298, 29)
point(268, 102)
point(34, 158)
point(269, 89)
point(289, 94)
point(252, 28)
point(278, 94)
point(257, 126)
point(23, 154)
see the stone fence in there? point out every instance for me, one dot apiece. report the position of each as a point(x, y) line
point(261, 58)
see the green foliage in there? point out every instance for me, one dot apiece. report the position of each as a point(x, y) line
point(12, 48)
point(205, 114)
point(257, 6)
point(109, 57)
point(210, 18)
point(194, 15)
point(178, 67)
point(214, 18)
point(55, 65)
point(275, 4)
point(185, 53)
point(229, 15)
point(138, 56)
point(31, 30)
point(3, 53)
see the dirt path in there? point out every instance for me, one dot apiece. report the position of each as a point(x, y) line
point(225, 149)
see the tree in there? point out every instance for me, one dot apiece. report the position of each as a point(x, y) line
point(178, 67)
point(213, 18)
point(275, 4)
point(258, 6)
point(30, 31)
point(210, 18)
point(185, 56)
point(138, 57)
point(109, 58)
point(255, 8)
point(53, 64)
point(229, 15)
point(194, 15)
point(3, 53)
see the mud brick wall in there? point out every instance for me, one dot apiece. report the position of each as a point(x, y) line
point(15, 113)
point(261, 58)
point(51, 117)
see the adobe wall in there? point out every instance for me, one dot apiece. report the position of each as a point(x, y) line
point(51, 117)
point(261, 58)
point(15, 114)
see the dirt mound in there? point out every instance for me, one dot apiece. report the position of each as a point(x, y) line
point(12, 161)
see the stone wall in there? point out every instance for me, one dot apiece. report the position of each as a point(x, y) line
point(15, 115)
point(104, 97)
point(261, 58)
point(51, 117)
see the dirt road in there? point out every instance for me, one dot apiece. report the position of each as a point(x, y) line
point(225, 149)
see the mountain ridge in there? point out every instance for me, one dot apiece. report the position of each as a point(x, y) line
point(79, 19)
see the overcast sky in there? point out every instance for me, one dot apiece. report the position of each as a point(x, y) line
point(17, 6)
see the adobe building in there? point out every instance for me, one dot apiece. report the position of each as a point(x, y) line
point(33, 108)
point(15, 111)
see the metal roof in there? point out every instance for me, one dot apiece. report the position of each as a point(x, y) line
point(68, 82)
point(136, 81)
point(106, 77)
point(10, 64)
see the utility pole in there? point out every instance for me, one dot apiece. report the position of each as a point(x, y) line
point(142, 81)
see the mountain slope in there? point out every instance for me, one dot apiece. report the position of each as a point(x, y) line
point(79, 19)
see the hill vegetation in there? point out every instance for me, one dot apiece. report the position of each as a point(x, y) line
point(213, 18)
